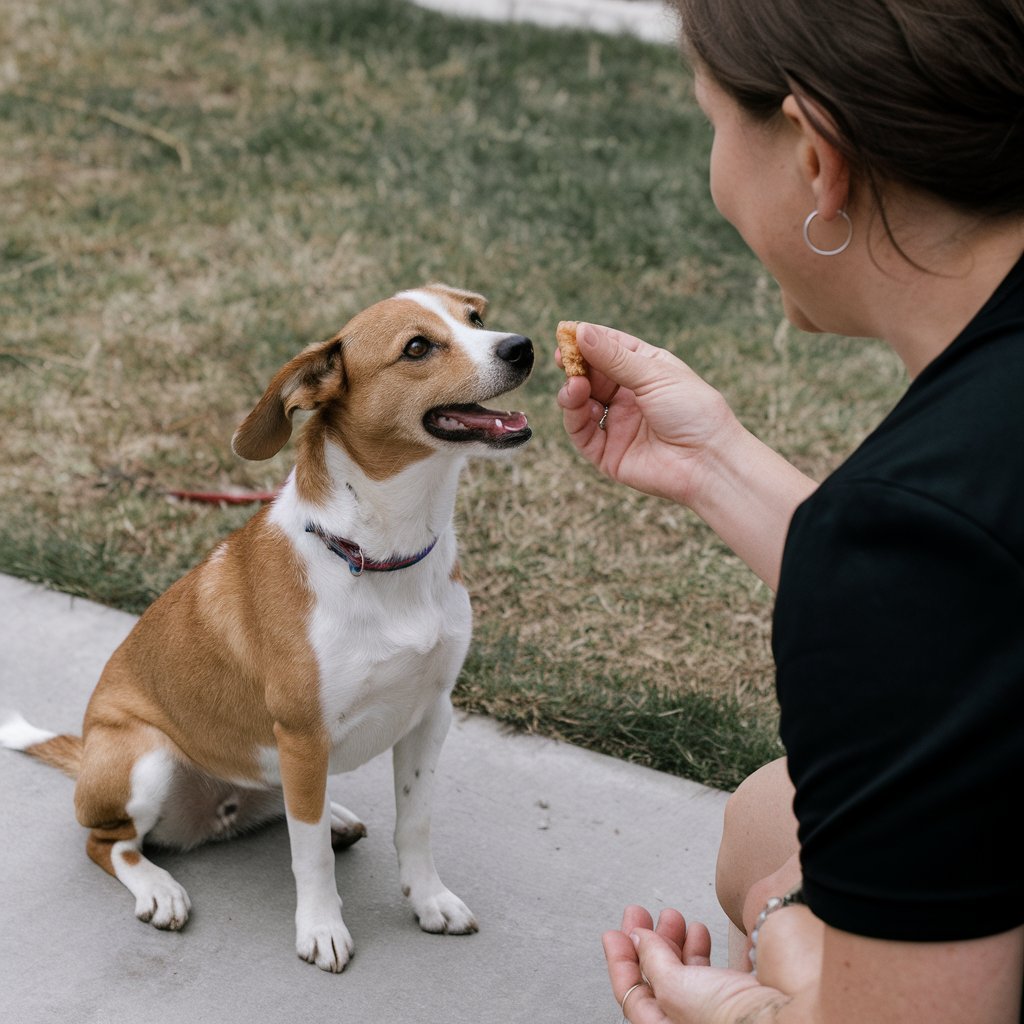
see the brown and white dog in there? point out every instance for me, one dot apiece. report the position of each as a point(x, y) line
point(328, 629)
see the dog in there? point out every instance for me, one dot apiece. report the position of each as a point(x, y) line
point(328, 629)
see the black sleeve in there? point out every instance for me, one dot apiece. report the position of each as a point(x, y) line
point(899, 641)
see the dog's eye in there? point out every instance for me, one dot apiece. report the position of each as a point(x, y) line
point(416, 348)
point(475, 318)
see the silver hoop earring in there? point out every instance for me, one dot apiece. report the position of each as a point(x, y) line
point(827, 252)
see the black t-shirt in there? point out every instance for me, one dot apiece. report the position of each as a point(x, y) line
point(899, 642)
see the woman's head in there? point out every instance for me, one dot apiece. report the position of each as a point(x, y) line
point(925, 94)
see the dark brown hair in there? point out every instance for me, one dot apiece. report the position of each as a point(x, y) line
point(925, 93)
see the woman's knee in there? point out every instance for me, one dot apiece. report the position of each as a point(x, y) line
point(758, 835)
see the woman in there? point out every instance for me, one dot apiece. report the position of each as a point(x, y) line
point(872, 155)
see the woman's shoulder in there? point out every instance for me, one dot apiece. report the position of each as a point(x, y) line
point(970, 395)
point(955, 439)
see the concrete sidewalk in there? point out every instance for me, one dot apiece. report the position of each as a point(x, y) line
point(546, 843)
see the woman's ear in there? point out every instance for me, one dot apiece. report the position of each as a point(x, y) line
point(825, 168)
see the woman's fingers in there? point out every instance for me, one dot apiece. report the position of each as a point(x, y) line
point(697, 946)
point(580, 412)
point(627, 981)
point(635, 916)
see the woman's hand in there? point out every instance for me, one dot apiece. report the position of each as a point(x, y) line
point(677, 985)
point(671, 965)
point(669, 433)
point(661, 417)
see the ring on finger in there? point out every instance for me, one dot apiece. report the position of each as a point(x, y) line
point(629, 992)
point(604, 417)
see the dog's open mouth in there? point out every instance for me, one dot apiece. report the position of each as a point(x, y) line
point(475, 423)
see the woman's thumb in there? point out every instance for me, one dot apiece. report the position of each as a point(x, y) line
point(620, 357)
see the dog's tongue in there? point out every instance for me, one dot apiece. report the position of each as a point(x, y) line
point(478, 418)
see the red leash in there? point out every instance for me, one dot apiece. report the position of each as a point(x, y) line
point(224, 497)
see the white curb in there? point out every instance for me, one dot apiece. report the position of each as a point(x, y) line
point(651, 20)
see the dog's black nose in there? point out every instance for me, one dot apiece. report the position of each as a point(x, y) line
point(516, 350)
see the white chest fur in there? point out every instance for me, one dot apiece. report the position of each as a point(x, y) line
point(387, 657)
point(387, 644)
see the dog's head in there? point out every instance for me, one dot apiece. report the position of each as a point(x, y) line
point(401, 380)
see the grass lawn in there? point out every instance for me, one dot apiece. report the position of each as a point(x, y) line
point(195, 189)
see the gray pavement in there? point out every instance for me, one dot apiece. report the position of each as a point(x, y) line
point(546, 842)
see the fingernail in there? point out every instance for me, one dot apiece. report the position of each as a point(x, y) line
point(634, 938)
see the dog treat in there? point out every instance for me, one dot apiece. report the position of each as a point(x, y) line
point(572, 360)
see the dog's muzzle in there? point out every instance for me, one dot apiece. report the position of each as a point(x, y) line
point(473, 422)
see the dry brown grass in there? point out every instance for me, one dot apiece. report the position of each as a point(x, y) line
point(274, 166)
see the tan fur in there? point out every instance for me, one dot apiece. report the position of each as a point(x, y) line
point(379, 421)
point(104, 780)
point(239, 653)
point(63, 752)
point(367, 400)
point(311, 475)
point(304, 754)
point(100, 845)
point(306, 382)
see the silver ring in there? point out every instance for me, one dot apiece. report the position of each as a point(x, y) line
point(629, 992)
point(604, 416)
point(828, 252)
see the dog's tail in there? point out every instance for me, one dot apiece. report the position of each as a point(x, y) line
point(63, 752)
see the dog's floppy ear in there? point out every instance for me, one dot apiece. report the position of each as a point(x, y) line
point(312, 378)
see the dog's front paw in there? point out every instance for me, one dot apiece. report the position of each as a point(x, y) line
point(325, 942)
point(443, 913)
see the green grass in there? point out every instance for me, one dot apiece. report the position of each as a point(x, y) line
point(195, 189)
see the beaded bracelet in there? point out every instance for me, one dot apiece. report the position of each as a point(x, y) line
point(792, 898)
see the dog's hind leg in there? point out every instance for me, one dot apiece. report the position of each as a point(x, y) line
point(346, 828)
point(127, 771)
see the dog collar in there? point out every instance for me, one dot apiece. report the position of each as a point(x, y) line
point(357, 562)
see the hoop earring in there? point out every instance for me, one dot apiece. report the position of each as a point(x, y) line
point(827, 252)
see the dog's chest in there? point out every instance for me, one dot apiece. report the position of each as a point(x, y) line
point(386, 655)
